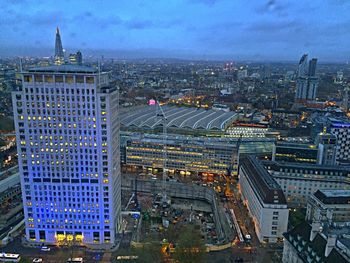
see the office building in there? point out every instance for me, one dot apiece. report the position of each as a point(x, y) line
point(76, 58)
point(264, 199)
point(322, 152)
point(59, 55)
point(185, 154)
point(341, 130)
point(295, 152)
point(327, 144)
point(307, 82)
point(329, 206)
point(339, 126)
point(191, 154)
point(299, 180)
point(67, 130)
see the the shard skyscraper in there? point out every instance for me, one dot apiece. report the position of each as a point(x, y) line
point(59, 55)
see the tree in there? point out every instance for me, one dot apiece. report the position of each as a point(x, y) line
point(24, 260)
point(190, 247)
point(149, 253)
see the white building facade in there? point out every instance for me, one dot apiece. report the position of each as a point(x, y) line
point(67, 129)
point(299, 181)
point(264, 200)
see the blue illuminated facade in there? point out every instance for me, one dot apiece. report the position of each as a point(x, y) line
point(67, 129)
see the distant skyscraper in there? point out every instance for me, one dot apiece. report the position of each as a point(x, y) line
point(307, 82)
point(59, 55)
point(79, 58)
point(312, 67)
point(302, 67)
point(67, 130)
point(73, 58)
point(76, 58)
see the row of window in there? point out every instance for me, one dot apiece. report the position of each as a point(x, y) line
point(59, 78)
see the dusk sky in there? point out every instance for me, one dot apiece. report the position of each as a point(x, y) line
point(193, 29)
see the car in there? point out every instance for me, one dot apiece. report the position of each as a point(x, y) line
point(45, 248)
point(37, 260)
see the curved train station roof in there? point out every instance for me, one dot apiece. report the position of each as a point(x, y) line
point(147, 117)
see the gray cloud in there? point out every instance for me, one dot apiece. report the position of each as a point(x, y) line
point(273, 7)
point(270, 27)
point(138, 24)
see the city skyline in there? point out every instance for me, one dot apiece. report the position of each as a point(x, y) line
point(189, 29)
point(174, 131)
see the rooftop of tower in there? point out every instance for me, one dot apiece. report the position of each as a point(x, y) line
point(67, 68)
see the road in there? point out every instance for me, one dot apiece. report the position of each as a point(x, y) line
point(56, 255)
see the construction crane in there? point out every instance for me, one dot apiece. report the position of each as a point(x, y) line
point(161, 114)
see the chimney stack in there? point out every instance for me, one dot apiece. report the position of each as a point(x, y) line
point(315, 228)
point(331, 241)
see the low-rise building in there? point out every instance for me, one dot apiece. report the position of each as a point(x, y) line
point(187, 154)
point(310, 243)
point(299, 180)
point(332, 206)
point(264, 199)
point(295, 152)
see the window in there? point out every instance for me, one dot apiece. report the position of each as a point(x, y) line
point(59, 79)
point(31, 234)
point(69, 79)
point(79, 79)
point(28, 78)
point(49, 78)
point(38, 78)
point(90, 80)
point(42, 235)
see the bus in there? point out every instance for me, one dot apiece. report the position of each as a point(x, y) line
point(5, 257)
point(75, 260)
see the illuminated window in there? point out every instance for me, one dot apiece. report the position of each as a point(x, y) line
point(28, 78)
point(48, 78)
point(90, 80)
point(69, 79)
point(79, 79)
point(59, 79)
point(38, 78)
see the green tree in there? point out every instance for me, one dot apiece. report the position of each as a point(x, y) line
point(190, 247)
point(149, 253)
point(24, 260)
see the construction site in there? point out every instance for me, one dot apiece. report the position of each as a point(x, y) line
point(186, 204)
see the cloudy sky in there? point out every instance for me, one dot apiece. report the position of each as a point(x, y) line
point(193, 29)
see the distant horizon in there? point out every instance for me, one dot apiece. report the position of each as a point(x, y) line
point(152, 54)
point(269, 30)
